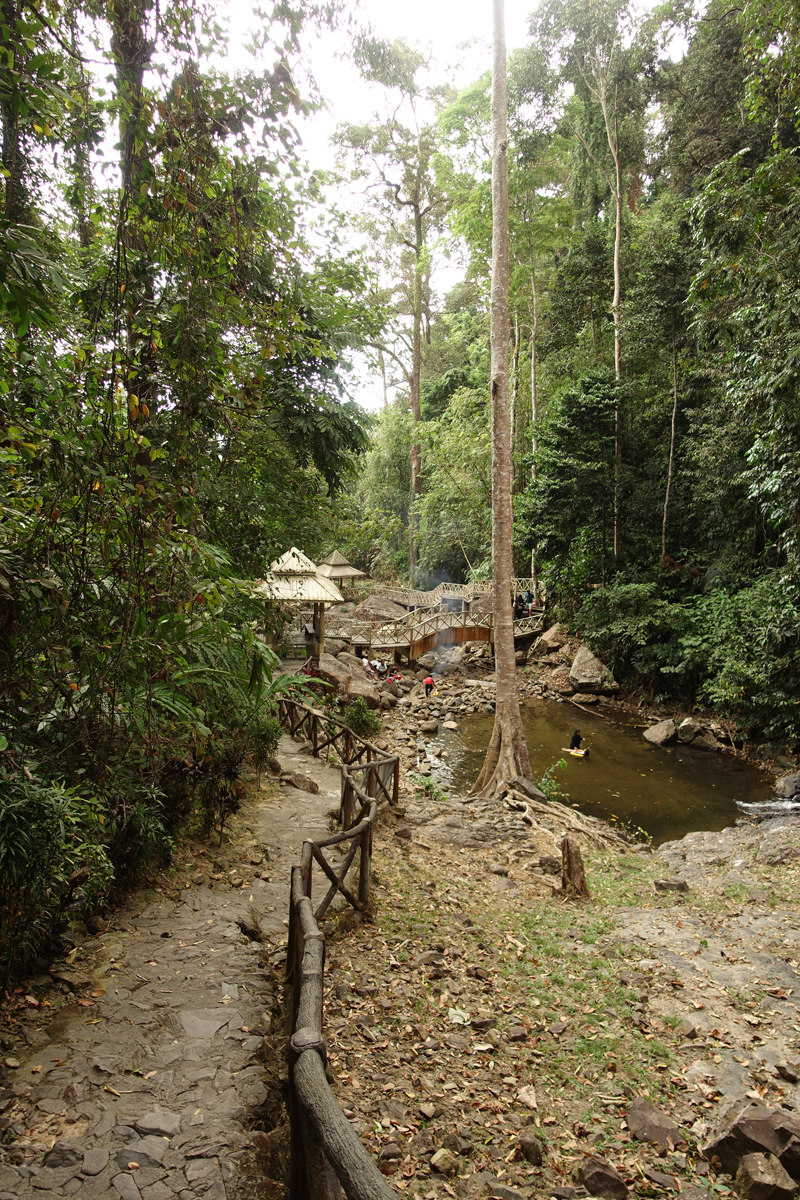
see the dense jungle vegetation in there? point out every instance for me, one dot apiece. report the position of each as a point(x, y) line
point(654, 204)
point(179, 304)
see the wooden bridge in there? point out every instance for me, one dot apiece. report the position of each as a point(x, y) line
point(414, 634)
point(466, 592)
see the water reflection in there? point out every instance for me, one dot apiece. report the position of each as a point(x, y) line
point(666, 791)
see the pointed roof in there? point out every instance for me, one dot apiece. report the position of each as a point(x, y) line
point(293, 562)
point(298, 588)
point(336, 566)
point(335, 559)
point(293, 577)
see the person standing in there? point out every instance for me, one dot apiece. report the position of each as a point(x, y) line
point(428, 686)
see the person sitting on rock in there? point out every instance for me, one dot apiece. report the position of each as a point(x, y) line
point(428, 686)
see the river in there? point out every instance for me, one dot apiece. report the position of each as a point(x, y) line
point(666, 791)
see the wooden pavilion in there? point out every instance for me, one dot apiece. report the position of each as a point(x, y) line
point(336, 566)
point(294, 579)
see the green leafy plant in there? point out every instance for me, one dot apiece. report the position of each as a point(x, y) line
point(262, 738)
point(52, 862)
point(361, 719)
point(550, 785)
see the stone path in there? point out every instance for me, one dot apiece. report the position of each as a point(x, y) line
point(149, 1084)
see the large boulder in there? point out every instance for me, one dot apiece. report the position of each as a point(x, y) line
point(334, 646)
point(552, 639)
point(589, 674)
point(352, 664)
point(688, 730)
point(481, 603)
point(661, 733)
point(363, 687)
point(788, 786)
point(378, 608)
point(333, 672)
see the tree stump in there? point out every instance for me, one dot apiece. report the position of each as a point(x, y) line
point(573, 875)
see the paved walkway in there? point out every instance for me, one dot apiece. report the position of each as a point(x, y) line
point(151, 1081)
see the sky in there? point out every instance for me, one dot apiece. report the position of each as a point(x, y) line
point(458, 34)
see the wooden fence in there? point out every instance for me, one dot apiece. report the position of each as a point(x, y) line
point(325, 1150)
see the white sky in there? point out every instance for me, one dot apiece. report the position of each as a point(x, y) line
point(459, 38)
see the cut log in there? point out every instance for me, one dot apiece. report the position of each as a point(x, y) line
point(573, 875)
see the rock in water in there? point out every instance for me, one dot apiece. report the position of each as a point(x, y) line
point(661, 733)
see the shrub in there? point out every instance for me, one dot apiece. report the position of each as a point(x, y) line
point(263, 737)
point(52, 861)
point(361, 719)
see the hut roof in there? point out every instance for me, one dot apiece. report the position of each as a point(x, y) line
point(297, 589)
point(293, 562)
point(336, 566)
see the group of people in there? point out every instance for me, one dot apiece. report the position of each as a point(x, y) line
point(523, 605)
point(376, 668)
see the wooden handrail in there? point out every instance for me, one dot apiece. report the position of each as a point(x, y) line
point(325, 1150)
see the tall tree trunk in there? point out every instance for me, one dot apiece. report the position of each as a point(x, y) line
point(534, 409)
point(516, 479)
point(132, 50)
point(612, 136)
point(416, 378)
point(671, 445)
point(507, 755)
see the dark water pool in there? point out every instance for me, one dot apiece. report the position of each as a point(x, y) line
point(666, 791)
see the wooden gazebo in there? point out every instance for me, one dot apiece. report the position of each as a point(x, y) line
point(336, 566)
point(293, 579)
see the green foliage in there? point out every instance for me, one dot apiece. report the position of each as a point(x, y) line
point(52, 860)
point(549, 784)
point(361, 719)
point(263, 735)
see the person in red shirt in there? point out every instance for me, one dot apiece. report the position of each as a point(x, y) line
point(428, 685)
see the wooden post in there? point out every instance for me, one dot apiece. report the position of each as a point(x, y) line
point(364, 867)
point(396, 785)
point(573, 875)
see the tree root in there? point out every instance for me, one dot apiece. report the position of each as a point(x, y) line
point(507, 763)
point(562, 821)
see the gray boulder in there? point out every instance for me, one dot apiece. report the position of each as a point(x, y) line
point(363, 687)
point(334, 646)
point(552, 639)
point(351, 663)
point(378, 608)
point(761, 1177)
point(600, 1179)
point(333, 672)
point(688, 730)
point(588, 674)
point(650, 1124)
point(661, 733)
point(788, 786)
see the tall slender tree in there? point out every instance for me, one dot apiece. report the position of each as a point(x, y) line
point(507, 756)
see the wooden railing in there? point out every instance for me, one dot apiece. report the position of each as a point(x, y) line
point(413, 627)
point(452, 591)
point(325, 1150)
